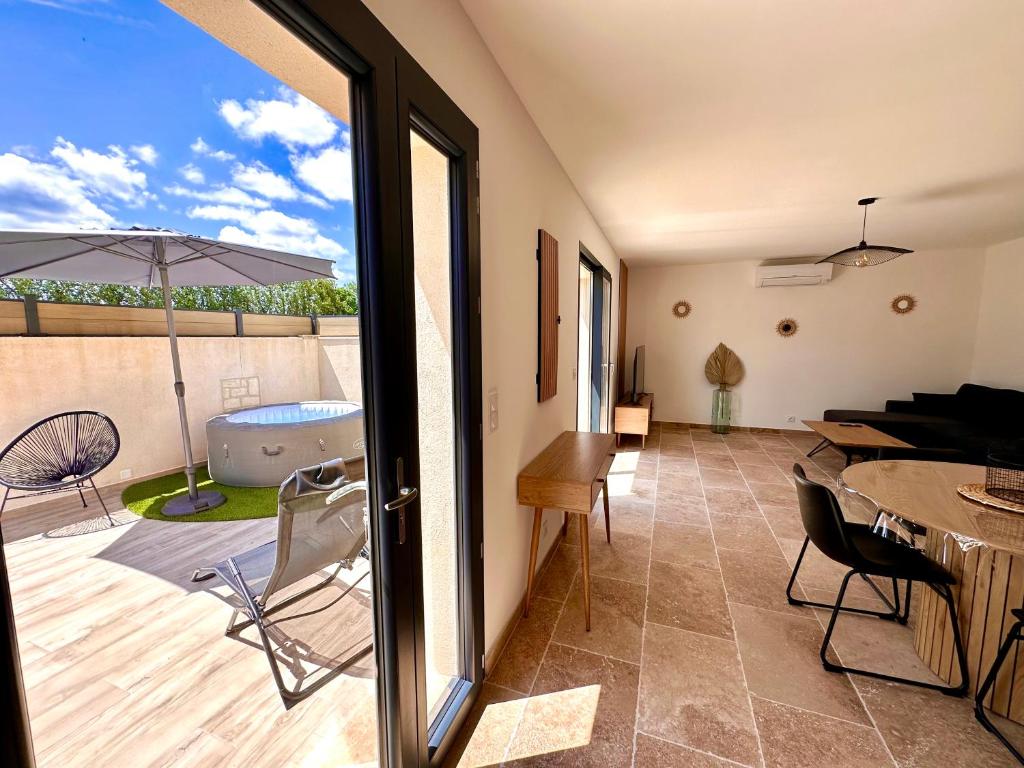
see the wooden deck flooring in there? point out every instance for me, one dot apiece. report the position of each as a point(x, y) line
point(126, 662)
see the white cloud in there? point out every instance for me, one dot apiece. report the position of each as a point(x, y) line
point(192, 173)
point(270, 229)
point(35, 195)
point(113, 174)
point(263, 181)
point(329, 172)
point(200, 147)
point(291, 118)
point(145, 152)
point(218, 194)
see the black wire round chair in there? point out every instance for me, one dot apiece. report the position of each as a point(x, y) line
point(59, 453)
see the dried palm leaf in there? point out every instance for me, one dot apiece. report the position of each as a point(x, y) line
point(723, 367)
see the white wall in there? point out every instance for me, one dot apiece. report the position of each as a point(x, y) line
point(130, 380)
point(998, 350)
point(523, 188)
point(851, 350)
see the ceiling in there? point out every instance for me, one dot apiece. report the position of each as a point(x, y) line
point(702, 130)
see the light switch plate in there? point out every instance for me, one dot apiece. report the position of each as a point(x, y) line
point(492, 410)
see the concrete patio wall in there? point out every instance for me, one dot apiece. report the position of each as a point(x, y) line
point(130, 380)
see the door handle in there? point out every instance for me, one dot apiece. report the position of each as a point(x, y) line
point(406, 496)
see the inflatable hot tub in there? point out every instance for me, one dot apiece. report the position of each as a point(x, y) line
point(262, 446)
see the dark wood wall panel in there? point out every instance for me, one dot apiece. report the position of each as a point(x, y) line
point(547, 316)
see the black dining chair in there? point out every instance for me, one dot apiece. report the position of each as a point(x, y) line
point(861, 550)
point(1015, 635)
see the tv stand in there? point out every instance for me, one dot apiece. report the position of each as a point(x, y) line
point(634, 418)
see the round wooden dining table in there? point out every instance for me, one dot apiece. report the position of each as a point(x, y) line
point(984, 549)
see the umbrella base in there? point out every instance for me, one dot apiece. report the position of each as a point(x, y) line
point(183, 505)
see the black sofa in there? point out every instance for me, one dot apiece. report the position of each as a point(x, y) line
point(975, 420)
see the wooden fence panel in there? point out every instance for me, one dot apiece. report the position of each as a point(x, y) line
point(12, 318)
point(339, 325)
point(276, 325)
point(100, 320)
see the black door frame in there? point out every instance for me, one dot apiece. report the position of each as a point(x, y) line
point(349, 36)
point(423, 106)
point(598, 340)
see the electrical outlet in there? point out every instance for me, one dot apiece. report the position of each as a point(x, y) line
point(492, 410)
point(791, 419)
point(126, 474)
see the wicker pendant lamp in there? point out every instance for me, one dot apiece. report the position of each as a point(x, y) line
point(864, 255)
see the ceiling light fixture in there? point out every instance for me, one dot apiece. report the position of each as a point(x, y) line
point(864, 255)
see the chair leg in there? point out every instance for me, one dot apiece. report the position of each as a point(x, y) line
point(892, 614)
point(81, 495)
point(3, 502)
point(102, 503)
point(1012, 637)
point(950, 690)
point(906, 606)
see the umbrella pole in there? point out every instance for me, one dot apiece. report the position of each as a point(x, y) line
point(194, 501)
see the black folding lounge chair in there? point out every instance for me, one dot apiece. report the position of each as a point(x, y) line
point(58, 453)
point(320, 524)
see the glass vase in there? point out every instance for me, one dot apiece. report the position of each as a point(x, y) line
point(721, 406)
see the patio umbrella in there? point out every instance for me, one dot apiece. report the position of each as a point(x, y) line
point(148, 258)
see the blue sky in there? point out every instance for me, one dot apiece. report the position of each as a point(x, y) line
point(120, 112)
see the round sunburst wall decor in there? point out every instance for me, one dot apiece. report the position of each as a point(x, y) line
point(681, 309)
point(786, 327)
point(903, 304)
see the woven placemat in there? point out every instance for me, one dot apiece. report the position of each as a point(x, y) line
point(976, 492)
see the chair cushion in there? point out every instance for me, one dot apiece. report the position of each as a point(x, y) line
point(884, 557)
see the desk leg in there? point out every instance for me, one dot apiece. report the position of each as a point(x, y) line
point(538, 514)
point(643, 442)
point(565, 524)
point(607, 513)
point(585, 548)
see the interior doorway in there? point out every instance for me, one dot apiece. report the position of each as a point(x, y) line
point(594, 368)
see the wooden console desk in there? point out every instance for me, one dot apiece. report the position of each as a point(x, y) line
point(568, 475)
point(634, 418)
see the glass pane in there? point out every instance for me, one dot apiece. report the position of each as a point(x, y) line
point(234, 130)
point(606, 324)
point(431, 214)
point(583, 363)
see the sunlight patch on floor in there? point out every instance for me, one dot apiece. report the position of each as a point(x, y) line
point(537, 725)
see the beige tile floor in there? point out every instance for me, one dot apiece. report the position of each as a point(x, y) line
point(695, 657)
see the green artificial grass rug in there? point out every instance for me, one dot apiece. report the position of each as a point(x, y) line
point(147, 498)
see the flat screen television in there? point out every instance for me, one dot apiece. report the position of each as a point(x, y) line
point(638, 373)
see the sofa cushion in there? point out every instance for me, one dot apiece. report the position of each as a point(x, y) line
point(986, 405)
point(937, 405)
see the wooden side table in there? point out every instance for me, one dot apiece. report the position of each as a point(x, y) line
point(634, 418)
point(568, 475)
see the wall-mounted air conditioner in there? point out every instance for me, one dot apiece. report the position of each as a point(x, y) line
point(792, 274)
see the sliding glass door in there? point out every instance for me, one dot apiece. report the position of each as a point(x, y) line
point(593, 365)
